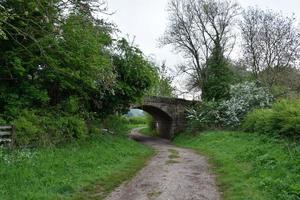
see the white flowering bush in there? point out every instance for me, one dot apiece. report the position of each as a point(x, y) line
point(244, 97)
point(203, 116)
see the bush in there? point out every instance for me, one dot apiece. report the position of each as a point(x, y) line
point(244, 97)
point(151, 123)
point(27, 128)
point(115, 124)
point(2, 122)
point(259, 120)
point(203, 116)
point(283, 119)
point(137, 120)
point(35, 128)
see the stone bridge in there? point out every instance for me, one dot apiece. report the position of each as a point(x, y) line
point(169, 114)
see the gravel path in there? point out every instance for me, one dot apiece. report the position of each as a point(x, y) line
point(172, 174)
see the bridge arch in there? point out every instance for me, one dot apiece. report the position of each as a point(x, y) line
point(169, 114)
point(163, 120)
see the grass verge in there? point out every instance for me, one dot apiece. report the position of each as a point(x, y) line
point(249, 166)
point(149, 132)
point(87, 169)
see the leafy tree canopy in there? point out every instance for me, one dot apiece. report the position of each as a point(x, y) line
point(56, 54)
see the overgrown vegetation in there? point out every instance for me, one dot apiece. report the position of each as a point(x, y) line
point(249, 165)
point(150, 128)
point(283, 119)
point(87, 169)
point(243, 98)
point(64, 76)
point(61, 68)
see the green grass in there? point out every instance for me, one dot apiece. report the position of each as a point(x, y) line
point(87, 169)
point(147, 131)
point(249, 166)
point(138, 120)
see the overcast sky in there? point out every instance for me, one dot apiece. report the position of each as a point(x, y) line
point(145, 21)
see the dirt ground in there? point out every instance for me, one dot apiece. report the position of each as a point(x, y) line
point(172, 174)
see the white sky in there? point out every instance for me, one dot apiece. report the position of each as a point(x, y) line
point(145, 21)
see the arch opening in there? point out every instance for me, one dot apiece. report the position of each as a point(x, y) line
point(163, 120)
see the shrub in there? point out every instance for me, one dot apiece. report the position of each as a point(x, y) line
point(203, 116)
point(137, 120)
point(115, 124)
point(2, 121)
point(283, 119)
point(71, 127)
point(35, 128)
point(27, 128)
point(244, 97)
point(151, 123)
point(287, 118)
point(259, 120)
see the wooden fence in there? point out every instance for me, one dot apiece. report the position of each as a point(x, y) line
point(7, 135)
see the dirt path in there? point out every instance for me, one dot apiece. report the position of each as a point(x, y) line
point(172, 174)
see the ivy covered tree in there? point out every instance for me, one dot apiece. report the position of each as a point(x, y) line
point(201, 30)
point(219, 77)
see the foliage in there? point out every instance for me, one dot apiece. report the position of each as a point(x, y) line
point(102, 163)
point(2, 121)
point(282, 119)
point(203, 116)
point(244, 97)
point(149, 132)
point(135, 76)
point(114, 124)
point(60, 67)
point(4, 16)
point(197, 29)
point(151, 123)
point(138, 120)
point(249, 165)
point(150, 129)
point(163, 85)
point(216, 87)
point(40, 129)
point(286, 81)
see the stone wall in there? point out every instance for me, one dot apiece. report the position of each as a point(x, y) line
point(169, 113)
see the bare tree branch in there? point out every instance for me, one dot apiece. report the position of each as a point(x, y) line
point(270, 42)
point(195, 27)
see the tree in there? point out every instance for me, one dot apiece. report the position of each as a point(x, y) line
point(270, 43)
point(197, 29)
point(163, 85)
point(4, 16)
point(56, 53)
point(217, 85)
point(135, 75)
